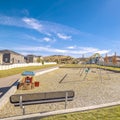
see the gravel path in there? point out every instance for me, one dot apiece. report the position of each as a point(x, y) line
point(92, 90)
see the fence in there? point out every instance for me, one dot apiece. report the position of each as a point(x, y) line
point(6, 67)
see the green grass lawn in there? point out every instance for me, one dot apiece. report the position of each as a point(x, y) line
point(109, 113)
point(90, 65)
point(77, 65)
point(13, 71)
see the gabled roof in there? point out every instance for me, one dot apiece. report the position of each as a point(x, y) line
point(113, 56)
point(31, 55)
point(9, 51)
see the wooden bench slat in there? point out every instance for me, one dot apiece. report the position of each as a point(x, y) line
point(43, 101)
point(46, 97)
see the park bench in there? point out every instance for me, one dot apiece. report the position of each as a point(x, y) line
point(40, 98)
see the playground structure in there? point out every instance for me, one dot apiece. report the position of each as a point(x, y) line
point(86, 66)
point(94, 59)
point(98, 59)
point(27, 81)
point(84, 74)
point(92, 63)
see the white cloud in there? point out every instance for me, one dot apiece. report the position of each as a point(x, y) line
point(43, 27)
point(103, 51)
point(11, 21)
point(45, 49)
point(77, 52)
point(29, 37)
point(88, 49)
point(71, 47)
point(62, 36)
point(25, 53)
point(47, 39)
point(33, 23)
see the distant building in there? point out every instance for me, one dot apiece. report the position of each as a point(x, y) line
point(10, 57)
point(33, 59)
point(110, 59)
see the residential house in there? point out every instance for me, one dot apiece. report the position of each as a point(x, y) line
point(33, 59)
point(111, 59)
point(10, 57)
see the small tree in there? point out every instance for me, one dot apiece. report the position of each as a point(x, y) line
point(42, 62)
point(38, 60)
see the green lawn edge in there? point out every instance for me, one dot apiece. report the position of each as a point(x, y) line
point(14, 71)
point(115, 69)
point(108, 113)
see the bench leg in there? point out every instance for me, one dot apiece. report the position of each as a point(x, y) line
point(20, 102)
point(23, 108)
point(21, 105)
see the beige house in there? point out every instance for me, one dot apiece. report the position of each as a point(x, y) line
point(33, 59)
point(110, 59)
point(10, 57)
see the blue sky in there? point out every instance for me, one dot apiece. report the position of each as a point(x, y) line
point(64, 27)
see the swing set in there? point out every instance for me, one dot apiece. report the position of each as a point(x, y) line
point(86, 68)
point(96, 57)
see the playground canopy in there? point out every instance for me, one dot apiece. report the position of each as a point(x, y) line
point(28, 73)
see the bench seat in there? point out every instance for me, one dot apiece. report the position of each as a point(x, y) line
point(40, 98)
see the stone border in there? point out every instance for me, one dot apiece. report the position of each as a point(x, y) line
point(5, 98)
point(65, 111)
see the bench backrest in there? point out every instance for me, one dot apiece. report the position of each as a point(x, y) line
point(42, 97)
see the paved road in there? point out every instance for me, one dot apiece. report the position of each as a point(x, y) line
point(7, 82)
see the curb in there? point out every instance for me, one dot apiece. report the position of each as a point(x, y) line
point(5, 98)
point(40, 115)
point(46, 71)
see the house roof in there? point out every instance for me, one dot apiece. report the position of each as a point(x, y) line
point(10, 51)
point(33, 55)
point(113, 56)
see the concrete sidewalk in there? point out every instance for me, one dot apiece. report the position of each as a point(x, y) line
point(8, 85)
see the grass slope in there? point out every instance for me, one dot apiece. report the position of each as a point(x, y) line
point(110, 113)
point(13, 71)
point(117, 69)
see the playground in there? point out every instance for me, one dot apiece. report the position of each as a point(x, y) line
point(92, 86)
